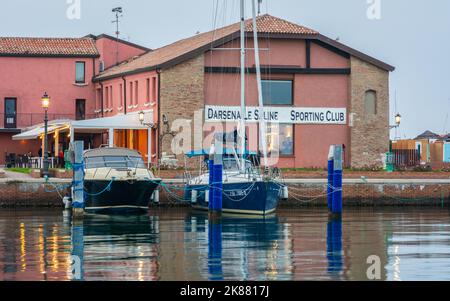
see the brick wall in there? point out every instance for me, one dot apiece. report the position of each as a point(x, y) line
point(369, 135)
point(182, 93)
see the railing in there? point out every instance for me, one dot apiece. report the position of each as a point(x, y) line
point(24, 120)
point(406, 157)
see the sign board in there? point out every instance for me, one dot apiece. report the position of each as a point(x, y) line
point(289, 115)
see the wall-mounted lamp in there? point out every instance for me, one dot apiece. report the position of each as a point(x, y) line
point(398, 119)
point(141, 120)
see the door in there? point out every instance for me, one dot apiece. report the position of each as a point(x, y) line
point(10, 113)
point(80, 109)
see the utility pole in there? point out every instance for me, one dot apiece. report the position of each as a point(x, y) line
point(118, 11)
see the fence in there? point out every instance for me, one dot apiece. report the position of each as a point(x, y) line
point(406, 157)
point(24, 120)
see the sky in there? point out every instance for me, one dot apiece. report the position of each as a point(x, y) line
point(412, 35)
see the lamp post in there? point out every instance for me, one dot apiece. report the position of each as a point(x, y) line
point(45, 104)
point(398, 119)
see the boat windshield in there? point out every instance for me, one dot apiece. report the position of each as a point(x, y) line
point(232, 165)
point(114, 161)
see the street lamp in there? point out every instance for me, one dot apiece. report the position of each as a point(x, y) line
point(45, 104)
point(398, 119)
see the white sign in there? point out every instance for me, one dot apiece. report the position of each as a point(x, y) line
point(294, 115)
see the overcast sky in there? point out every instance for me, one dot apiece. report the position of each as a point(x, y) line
point(412, 35)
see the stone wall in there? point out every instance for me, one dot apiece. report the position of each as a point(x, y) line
point(301, 193)
point(369, 134)
point(182, 94)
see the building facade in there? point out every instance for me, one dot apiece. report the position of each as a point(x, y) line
point(63, 68)
point(316, 92)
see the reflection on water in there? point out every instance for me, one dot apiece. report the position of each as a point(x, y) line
point(303, 244)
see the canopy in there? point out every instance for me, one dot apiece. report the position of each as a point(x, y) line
point(124, 122)
point(226, 151)
point(39, 130)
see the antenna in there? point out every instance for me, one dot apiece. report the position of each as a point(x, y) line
point(259, 6)
point(118, 11)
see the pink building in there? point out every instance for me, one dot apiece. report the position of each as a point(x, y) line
point(62, 67)
point(318, 92)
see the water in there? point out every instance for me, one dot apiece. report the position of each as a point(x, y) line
point(303, 244)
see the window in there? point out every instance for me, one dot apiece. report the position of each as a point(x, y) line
point(148, 90)
point(131, 93)
point(121, 96)
point(370, 102)
point(106, 97)
point(111, 95)
point(80, 109)
point(280, 139)
point(80, 73)
point(136, 93)
point(154, 89)
point(277, 92)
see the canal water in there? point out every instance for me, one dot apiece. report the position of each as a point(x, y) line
point(178, 244)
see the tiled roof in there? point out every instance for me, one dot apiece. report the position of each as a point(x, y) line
point(158, 57)
point(75, 47)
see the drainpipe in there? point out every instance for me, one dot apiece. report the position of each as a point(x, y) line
point(158, 71)
point(124, 95)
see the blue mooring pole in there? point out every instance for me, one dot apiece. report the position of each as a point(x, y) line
point(78, 180)
point(336, 207)
point(330, 178)
point(215, 179)
point(215, 249)
point(211, 183)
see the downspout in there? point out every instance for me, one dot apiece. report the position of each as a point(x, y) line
point(158, 71)
point(124, 95)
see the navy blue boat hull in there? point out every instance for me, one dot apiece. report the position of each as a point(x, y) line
point(260, 197)
point(122, 197)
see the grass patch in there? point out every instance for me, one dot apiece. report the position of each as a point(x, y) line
point(20, 170)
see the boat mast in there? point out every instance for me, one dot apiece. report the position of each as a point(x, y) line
point(262, 122)
point(243, 110)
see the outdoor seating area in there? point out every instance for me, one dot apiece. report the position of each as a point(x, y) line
point(27, 161)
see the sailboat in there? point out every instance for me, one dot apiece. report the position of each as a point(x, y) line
point(245, 189)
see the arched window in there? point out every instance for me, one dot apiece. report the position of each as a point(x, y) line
point(370, 102)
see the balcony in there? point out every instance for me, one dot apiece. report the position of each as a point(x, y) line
point(24, 120)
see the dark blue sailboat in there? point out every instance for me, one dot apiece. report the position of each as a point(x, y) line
point(244, 189)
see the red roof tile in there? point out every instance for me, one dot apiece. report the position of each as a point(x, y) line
point(76, 47)
point(158, 57)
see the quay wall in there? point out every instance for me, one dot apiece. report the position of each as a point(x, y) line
point(35, 193)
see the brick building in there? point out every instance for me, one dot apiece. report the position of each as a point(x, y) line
point(317, 92)
point(336, 94)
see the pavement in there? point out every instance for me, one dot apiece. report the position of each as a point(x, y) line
point(14, 175)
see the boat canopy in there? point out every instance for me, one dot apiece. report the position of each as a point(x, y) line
point(112, 152)
point(226, 152)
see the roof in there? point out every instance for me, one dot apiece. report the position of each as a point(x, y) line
point(427, 135)
point(106, 36)
point(48, 47)
point(189, 48)
point(111, 151)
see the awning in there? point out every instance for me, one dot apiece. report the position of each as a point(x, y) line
point(39, 130)
point(122, 122)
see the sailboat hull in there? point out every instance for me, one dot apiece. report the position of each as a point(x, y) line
point(259, 198)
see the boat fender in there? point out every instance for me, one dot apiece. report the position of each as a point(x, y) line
point(194, 196)
point(285, 193)
point(156, 196)
point(207, 196)
point(67, 202)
